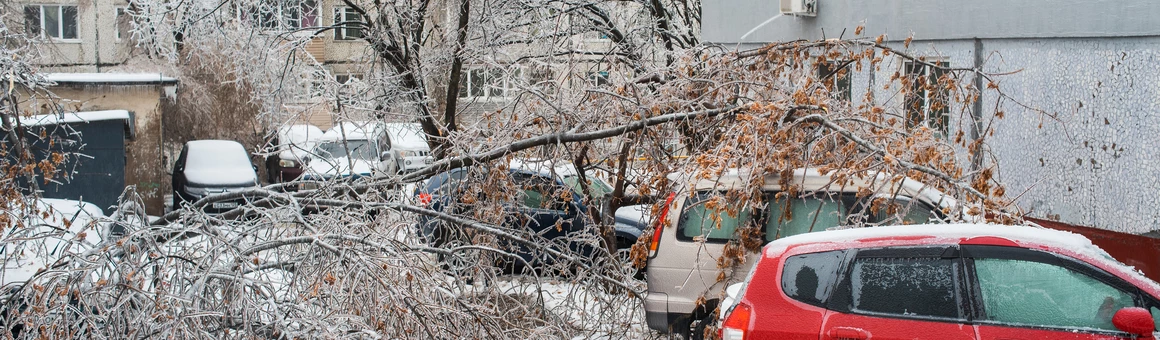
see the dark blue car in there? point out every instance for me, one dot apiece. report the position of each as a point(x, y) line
point(542, 206)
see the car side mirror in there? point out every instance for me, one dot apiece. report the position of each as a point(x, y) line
point(1136, 321)
point(385, 156)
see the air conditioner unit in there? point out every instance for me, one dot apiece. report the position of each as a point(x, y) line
point(801, 8)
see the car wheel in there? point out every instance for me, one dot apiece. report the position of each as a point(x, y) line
point(703, 325)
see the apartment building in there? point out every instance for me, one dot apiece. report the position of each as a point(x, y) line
point(1090, 66)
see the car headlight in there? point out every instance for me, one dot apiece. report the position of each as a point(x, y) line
point(408, 153)
point(286, 163)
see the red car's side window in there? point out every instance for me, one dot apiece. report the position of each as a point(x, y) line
point(1031, 293)
point(912, 287)
point(810, 278)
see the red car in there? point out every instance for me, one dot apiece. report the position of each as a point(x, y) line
point(941, 282)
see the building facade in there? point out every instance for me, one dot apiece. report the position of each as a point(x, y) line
point(1092, 67)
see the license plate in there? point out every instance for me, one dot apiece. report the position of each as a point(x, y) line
point(225, 205)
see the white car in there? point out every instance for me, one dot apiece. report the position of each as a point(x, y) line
point(58, 227)
point(408, 143)
point(351, 150)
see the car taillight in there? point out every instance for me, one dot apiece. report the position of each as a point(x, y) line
point(736, 325)
point(659, 225)
point(424, 199)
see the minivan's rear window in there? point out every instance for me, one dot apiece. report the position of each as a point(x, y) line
point(717, 219)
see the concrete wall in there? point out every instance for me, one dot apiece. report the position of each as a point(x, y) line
point(1079, 145)
point(96, 45)
point(727, 21)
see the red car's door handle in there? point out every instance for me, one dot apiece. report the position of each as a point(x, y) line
point(848, 333)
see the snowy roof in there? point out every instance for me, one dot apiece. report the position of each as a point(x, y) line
point(75, 117)
point(110, 78)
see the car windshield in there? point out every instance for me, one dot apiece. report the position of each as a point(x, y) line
point(359, 149)
point(596, 188)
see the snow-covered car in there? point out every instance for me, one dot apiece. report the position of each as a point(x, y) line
point(350, 150)
point(408, 143)
point(43, 233)
point(965, 281)
point(56, 227)
point(292, 145)
point(208, 167)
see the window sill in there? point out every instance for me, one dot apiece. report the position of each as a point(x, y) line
point(65, 41)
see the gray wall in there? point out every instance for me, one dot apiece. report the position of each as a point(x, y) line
point(1093, 68)
point(726, 21)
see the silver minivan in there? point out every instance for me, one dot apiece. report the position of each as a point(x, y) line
point(687, 273)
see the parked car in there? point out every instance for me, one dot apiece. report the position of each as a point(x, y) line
point(351, 150)
point(409, 145)
point(683, 269)
point(292, 146)
point(59, 227)
point(629, 221)
point(544, 206)
point(208, 167)
point(941, 282)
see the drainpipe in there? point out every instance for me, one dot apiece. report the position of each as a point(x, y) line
point(96, 34)
point(977, 108)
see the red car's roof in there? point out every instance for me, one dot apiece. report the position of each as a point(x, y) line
point(1055, 241)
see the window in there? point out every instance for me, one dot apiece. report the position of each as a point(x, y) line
point(51, 21)
point(792, 216)
point(810, 278)
point(784, 217)
point(283, 15)
point(350, 30)
point(488, 83)
point(712, 218)
point(346, 78)
point(926, 102)
point(540, 193)
point(598, 79)
point(124, 22)
point(898, 211)
point(837, 81)
point(1040, 294)
point(922, 286)
point(596, 188)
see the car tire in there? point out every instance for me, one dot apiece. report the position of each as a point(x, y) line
point(698, 332)
point(679, 329)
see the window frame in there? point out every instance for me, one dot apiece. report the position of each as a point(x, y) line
point(43, 33)
point(119, 11)
point(971, 252)
point(840, 87)
point(842, 301)
point(507, 76)
point(927, 97)
point(339, 14)
point(254, 18)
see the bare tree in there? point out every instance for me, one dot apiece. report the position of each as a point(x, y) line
point(354, 258)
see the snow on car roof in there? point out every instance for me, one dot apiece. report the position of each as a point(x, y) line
point(109, 78)
point(299, 134)
point(1019, 234)
point(351, 130)
point(75, 117)
point(407, 136)
point(211, 162)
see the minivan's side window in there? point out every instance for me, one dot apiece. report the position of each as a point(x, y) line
point(905, 286)
point(792, 216)
point(713, 219)
point(810, 278)
point(1042, 294)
